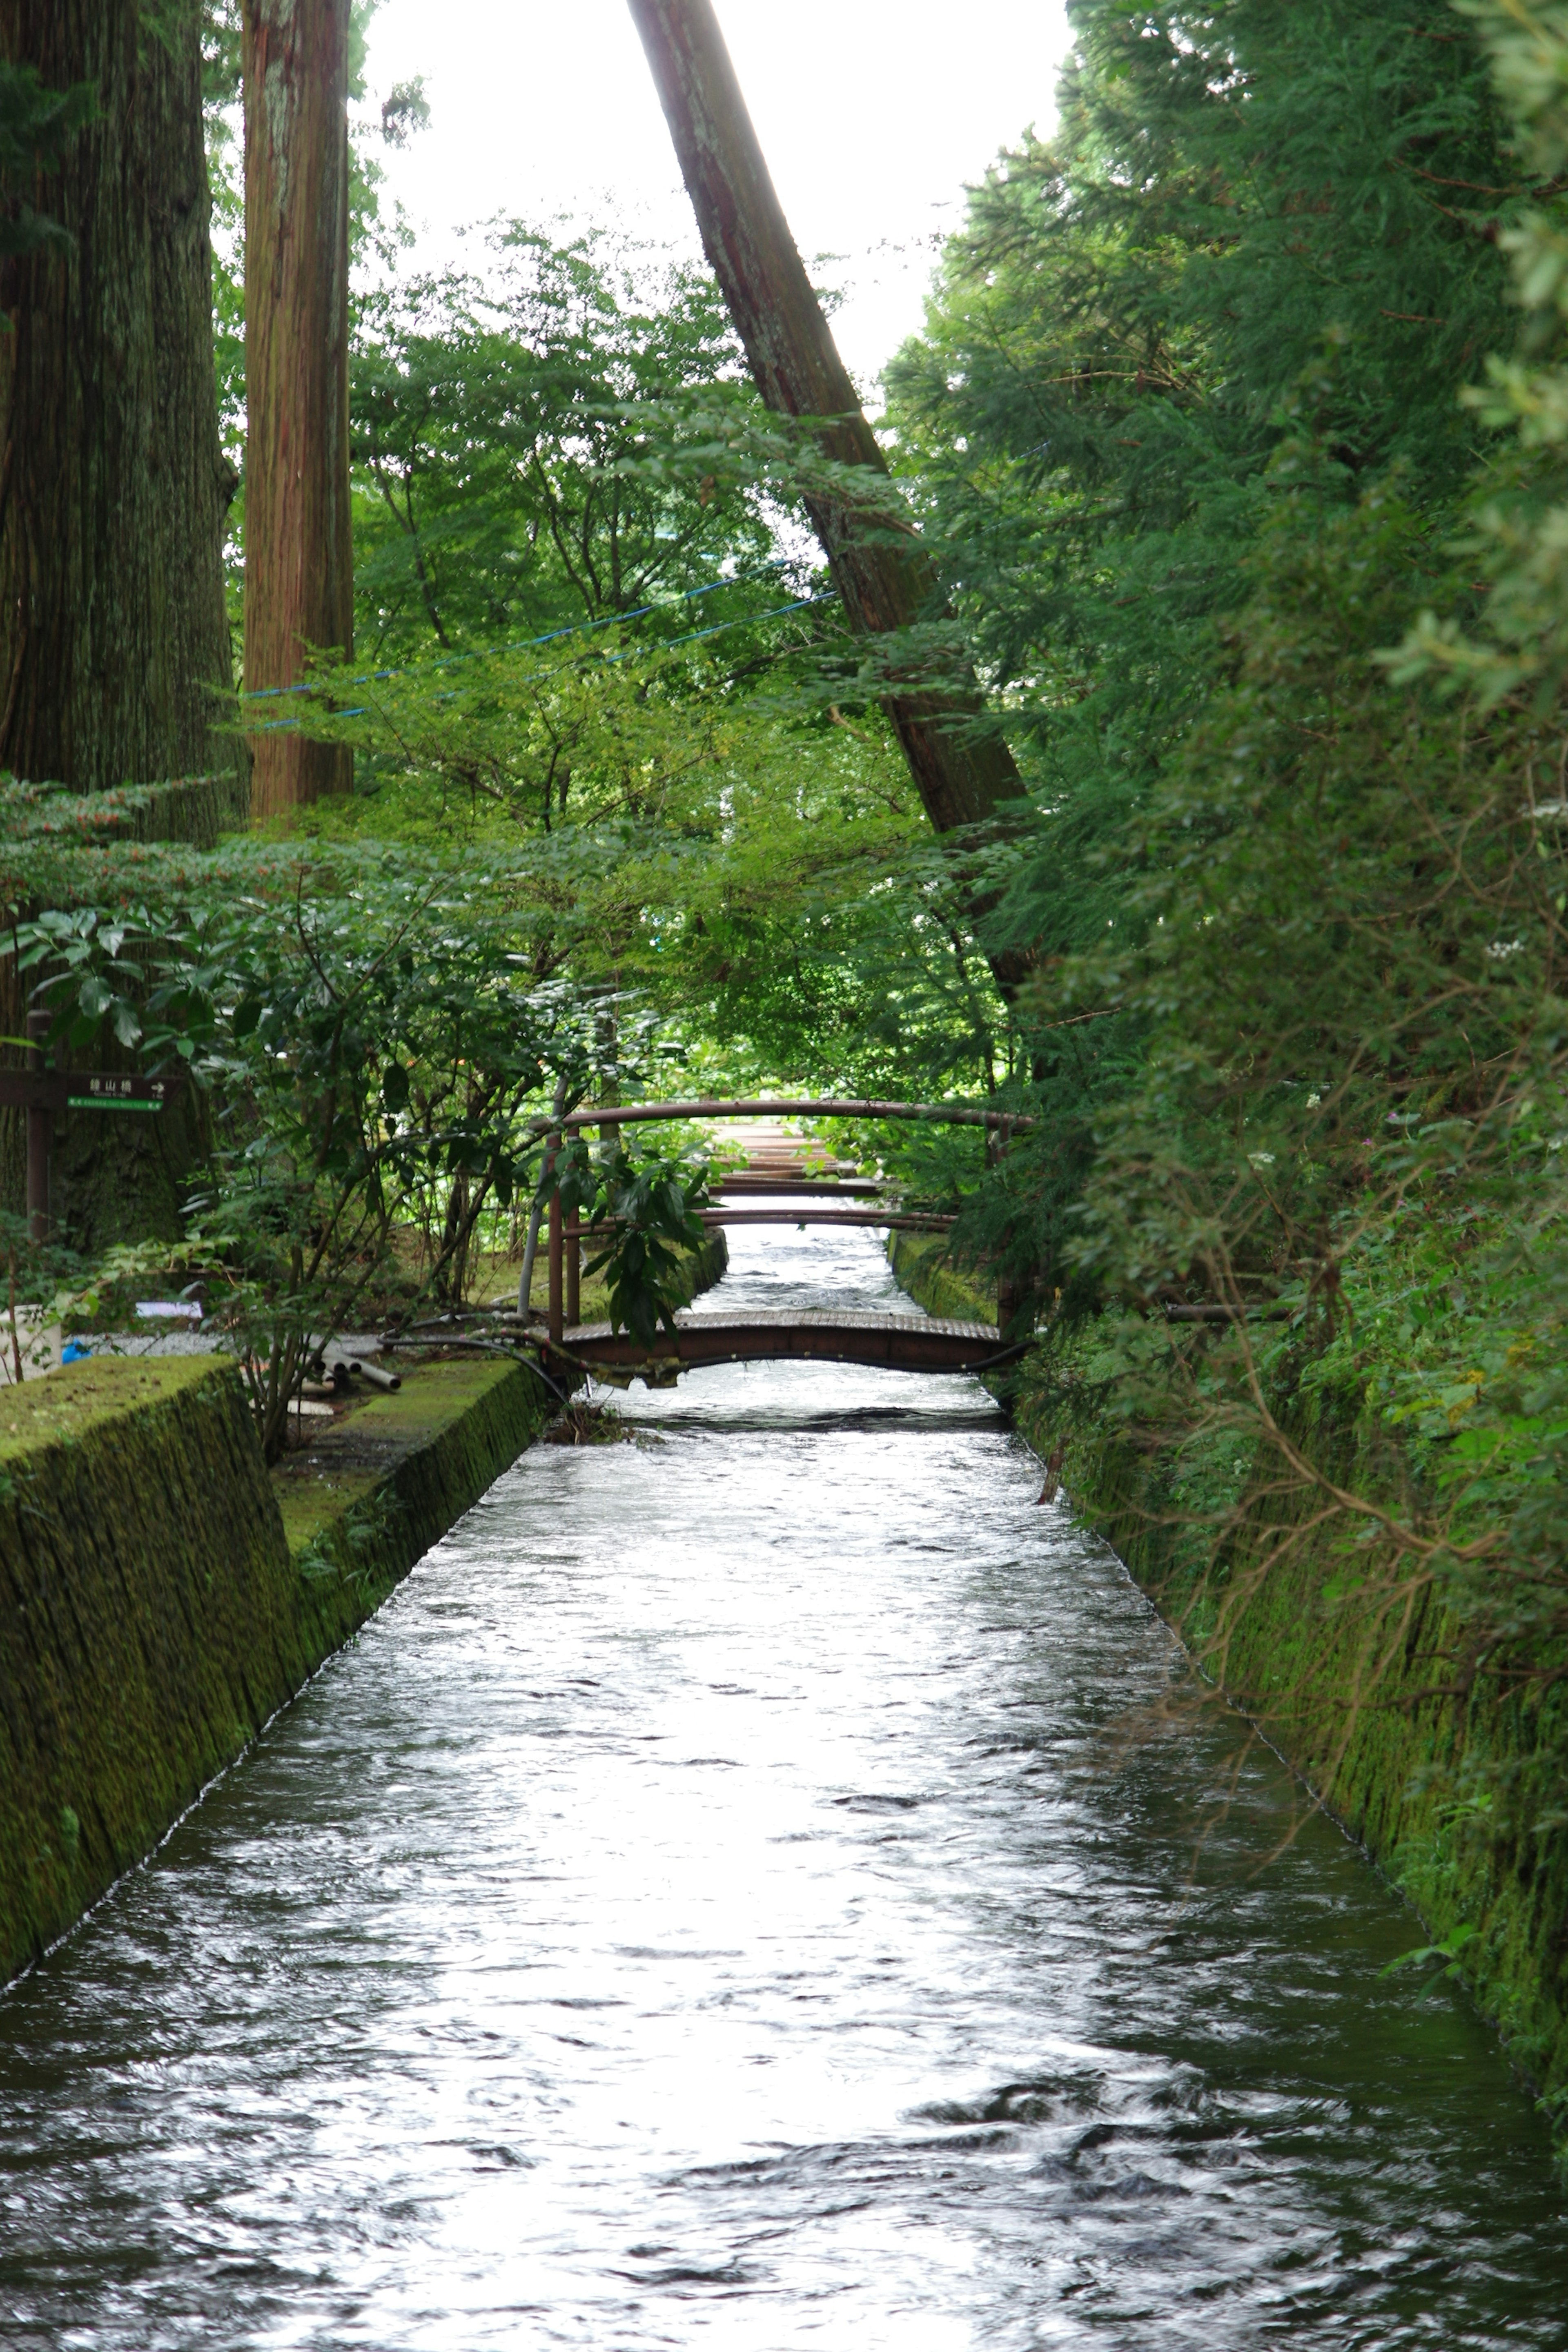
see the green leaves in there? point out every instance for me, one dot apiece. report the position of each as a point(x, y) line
point(654, 1211)
point(1449, 1955)
point(506, 433)
point(370, 1051)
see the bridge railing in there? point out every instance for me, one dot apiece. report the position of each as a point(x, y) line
point(796, 1106)
point(563, 1281)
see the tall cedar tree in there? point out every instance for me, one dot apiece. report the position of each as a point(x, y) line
point(115, 659)
point(1265, 227)
point(113, 488)
point(299, 571)
point(964, 777)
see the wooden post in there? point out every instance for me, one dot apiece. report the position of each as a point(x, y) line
point(879, 567)
point(557, 1264)
point(575, 1281)
point(610, 1139)
point(298, 560)
point(40, 1136)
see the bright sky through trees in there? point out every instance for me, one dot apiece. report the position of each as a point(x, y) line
point(872, 117)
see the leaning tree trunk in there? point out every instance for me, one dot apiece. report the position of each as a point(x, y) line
point(299, 559)
point(963, 778)
point(114, 650)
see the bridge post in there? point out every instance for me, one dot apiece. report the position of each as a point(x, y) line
point(573, 1280)
point(557, 1259)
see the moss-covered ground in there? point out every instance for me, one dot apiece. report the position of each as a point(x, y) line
point(366, 1495)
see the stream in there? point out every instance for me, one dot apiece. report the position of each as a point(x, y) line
point(716, 1903)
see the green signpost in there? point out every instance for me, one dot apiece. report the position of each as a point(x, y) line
point(41, 1092)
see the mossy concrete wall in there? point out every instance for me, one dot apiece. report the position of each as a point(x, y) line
point(1441, 1787)
point(920, 1262)
point(160, 1595)
point(369, 1497)
point(1434, 1773)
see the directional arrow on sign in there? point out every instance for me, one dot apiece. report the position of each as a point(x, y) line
point(41, 1092)
point(83, 1090)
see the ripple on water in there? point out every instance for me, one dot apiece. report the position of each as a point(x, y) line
point(706, 1907)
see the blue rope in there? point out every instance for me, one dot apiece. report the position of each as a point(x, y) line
point(526, 645)
point(366, 710)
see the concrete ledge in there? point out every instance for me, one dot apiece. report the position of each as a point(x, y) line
point(368, 1498)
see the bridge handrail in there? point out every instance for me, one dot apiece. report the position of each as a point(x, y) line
point(796, 1106)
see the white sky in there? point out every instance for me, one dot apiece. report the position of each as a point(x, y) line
point(872, 114)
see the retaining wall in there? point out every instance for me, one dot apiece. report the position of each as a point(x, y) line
point(1455, 1795)
point(160, 1595)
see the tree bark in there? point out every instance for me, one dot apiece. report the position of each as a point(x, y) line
point(961, 780)
point(299, 557)
point(114, 648)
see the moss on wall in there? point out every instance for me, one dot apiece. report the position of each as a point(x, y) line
point(708, 1263)
point(148, 1622)
point(161, 1596)
point(920, 1263)
point(1440, 1788)
point(1433, 1772)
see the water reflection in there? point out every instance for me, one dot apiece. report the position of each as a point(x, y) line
point(698, 1911)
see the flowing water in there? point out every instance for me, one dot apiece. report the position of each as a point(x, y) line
point(710, 1906)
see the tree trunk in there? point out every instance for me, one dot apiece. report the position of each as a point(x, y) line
point(114, 649)
point(115, 663)
point(961, 780)
point(299, 558)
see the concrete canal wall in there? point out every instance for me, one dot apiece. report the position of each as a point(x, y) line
point(160, 1595)
point(1442, 1789)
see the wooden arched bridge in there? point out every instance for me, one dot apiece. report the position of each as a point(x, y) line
point(775, 1165)
point(902, 1343)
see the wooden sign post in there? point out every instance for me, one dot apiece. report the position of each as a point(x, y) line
point(41, 1092)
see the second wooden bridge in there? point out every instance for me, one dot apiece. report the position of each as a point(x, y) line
point(792, 1170)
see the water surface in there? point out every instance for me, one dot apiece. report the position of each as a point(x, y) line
point(704, 1909)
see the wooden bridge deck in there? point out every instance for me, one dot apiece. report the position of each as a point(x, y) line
point(903, 1343)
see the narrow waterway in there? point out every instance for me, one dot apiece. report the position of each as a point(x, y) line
point(706, 1907)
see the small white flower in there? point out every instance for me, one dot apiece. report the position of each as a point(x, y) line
point(1501, 950)
point(1313, 1100)
point(1260, 1159)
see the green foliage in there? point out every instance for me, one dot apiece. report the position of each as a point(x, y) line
point(1317, 876)
point(501, 428)
point(371, 1045)
point(1185, 430)
point(653, 1209)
